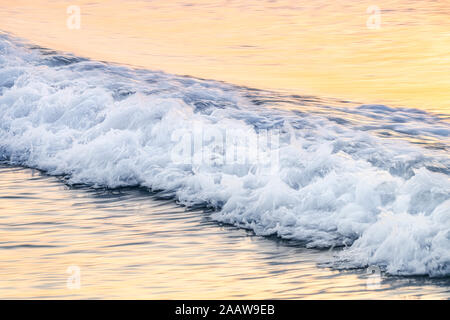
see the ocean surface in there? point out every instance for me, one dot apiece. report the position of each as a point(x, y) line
point(394, 52)
point(156, 185)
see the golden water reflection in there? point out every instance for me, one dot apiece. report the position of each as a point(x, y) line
point(307, 47)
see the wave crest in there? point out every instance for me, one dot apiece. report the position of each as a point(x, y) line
point(373, 178)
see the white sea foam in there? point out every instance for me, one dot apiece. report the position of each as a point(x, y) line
point(372, 178)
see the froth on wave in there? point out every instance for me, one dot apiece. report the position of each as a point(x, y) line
point(371, 178)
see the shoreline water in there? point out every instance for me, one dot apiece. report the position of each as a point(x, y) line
point(127, 244)
point(256, 185)
point(297, 200)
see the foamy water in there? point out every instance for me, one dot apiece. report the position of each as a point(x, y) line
point(69, 242)
point(371, 178)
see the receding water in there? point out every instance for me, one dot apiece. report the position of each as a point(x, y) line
point(127, 243)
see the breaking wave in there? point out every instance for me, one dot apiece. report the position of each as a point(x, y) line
point(371, 178)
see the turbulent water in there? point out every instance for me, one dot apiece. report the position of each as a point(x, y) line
point(372, 178)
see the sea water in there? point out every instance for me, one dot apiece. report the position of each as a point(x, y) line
point(367, 185)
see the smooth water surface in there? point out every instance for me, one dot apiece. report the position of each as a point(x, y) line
point(384, 51)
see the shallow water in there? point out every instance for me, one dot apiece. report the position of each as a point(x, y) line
point(130, 244)
point(325, 171)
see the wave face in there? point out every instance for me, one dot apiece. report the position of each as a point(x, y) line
point(371, 178)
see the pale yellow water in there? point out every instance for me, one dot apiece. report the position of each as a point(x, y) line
point(320, 47)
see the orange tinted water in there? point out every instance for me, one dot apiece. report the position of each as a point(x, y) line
point(126, 243)
point(324, 48)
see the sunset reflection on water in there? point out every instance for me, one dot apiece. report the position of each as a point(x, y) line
point(322, 48)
